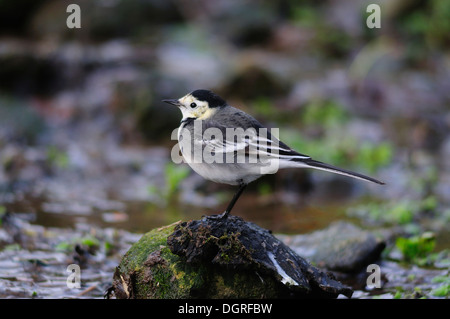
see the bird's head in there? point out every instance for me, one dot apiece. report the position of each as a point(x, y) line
point(199, 104)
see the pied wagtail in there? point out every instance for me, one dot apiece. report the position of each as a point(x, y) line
point(218, 152)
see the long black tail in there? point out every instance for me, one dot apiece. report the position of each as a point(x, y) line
point(330, 168)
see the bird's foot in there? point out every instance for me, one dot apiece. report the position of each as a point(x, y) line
point(224, 215)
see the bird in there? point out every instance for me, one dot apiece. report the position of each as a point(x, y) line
point(226, 145)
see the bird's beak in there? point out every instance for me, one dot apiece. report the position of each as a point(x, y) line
point(173, 102)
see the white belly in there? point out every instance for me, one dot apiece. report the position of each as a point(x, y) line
point(226, 173)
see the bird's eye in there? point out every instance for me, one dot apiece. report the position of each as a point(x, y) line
point(193, 105)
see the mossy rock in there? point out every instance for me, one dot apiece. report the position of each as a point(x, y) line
point(218, 258)
point(150, 252)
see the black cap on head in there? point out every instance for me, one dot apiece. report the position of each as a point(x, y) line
point(205, 95)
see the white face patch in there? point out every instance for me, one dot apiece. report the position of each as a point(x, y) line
point(201, 111)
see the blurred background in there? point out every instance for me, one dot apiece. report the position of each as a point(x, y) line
point(85, 140)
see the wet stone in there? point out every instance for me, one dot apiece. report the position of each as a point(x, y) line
point(219, 258)
point(341, 247)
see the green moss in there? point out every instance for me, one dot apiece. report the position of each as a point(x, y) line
point(416, 248)
point(164, 276)
point(148, 243)
point(398, 295)
point(441, 279)
point(441, 291)
point(90, 242)
point(57, 157)
point(2, 213)
point(231, 249)
point(164, 281)
point(150, 270)
point(373, 156)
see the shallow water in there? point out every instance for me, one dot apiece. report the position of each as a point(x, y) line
point(39, 245)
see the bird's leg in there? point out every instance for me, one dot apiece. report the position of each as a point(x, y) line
point(233, 201)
